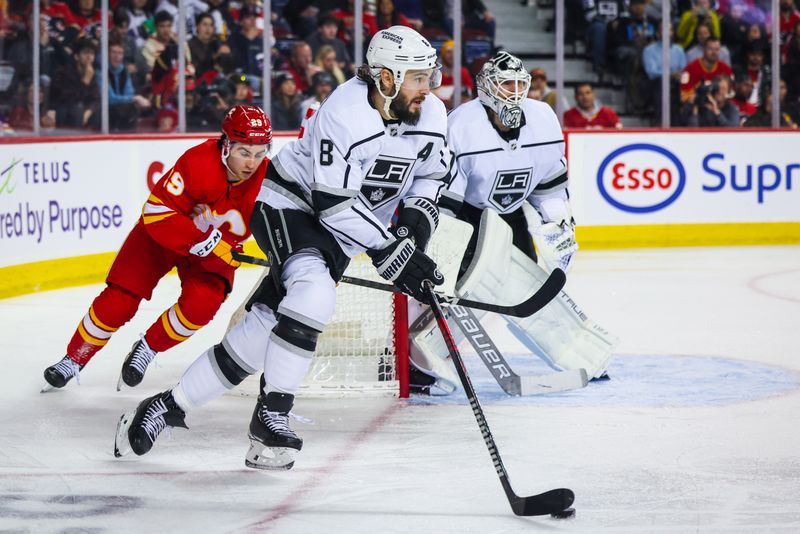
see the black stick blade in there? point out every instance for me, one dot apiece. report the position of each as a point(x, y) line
point(546, 503)
point(549, 290)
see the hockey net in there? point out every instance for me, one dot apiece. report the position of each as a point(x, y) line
point(363, 350)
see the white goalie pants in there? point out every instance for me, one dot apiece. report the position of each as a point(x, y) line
point(253, 345)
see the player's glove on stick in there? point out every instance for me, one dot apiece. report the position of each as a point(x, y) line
point(215, 251)
point(418, 219)
point(407, 267)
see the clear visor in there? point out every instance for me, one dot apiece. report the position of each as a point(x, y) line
point(418, 80)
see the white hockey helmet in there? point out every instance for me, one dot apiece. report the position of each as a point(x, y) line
point(401, 49)
point(497, 94)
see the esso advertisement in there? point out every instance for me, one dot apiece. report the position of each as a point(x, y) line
point(641, 178)
point(691, 177)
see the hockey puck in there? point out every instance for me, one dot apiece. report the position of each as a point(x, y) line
point(564, 514)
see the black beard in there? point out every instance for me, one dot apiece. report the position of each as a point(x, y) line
point(399, 107)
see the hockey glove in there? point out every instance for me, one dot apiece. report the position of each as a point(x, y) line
point(213, 247)
point(556, 245)
point(418, 219)
point(407, 267)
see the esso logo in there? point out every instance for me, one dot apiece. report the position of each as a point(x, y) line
point(641, 178)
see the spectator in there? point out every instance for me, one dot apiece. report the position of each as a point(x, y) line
point(243, 93)
point(193, 8)
point(204, 44)
point(476, 15)
point(326, 35)
point(124, 105)
point(388, 16)
point(701, 12)
point(412, 10)
point(539, 89)
point(791, 64)
point(20, 118)
point(790, 17)
point(82, 20)
point(629, 35)
point(703, 70)
point(345, 15)
point(788, 105)
point(711, 107)
point(758, 72)
point(599, 14)
point(302, 16)
point(651, 59)
point(156, 43)
point(300, 66)
point(52, 55)
point(246, 43)
point(445, 89)
point(322, 85)
point(286, 100)
point(167, 119)
point(326, 61)
point(212, 103)
point(223, 22)
point(742, 90)
point(702, 33)
point(756, 35)
point(588, 114)
point(121, 33)
point(734, 28)
point(763, 117)
point(76, 97)
point(140, 17)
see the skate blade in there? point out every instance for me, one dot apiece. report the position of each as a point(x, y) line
point(122, 445)
point(47, 388)
point(119, 382)
point(269, 458)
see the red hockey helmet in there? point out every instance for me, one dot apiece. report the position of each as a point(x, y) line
point(247, 124)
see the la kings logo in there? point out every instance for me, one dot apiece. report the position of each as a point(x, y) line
point(510, 187)
point(384, 180)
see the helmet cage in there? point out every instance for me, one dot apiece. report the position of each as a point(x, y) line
point(503, 85)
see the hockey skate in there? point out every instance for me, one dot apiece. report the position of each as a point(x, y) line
point(138, 429)
point(273, 444)
point(135, 364)
point(59, 374)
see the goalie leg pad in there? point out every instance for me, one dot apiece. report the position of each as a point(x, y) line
point(428, 353)
point(501, 273)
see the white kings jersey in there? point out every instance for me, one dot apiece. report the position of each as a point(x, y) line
point(490, 172)
point(353, 169)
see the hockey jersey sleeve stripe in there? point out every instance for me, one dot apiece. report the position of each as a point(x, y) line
point(149, 219)
point(343, 235)
point(336, 208)
point(382, 231)
point(451, 201)
point(338, 191)
point(556, 184)
point(300, 201)
point(475, 153)
point(155, 209)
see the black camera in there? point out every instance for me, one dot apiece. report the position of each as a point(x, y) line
point(702, 92)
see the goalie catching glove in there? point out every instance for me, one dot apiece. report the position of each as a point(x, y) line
point(556, 245)
point(407, 267)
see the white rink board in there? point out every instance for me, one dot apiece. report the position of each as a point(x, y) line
point(693, 177)
point(64, 199)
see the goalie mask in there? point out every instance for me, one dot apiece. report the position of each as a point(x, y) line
point(401, 49)
point(503, 85)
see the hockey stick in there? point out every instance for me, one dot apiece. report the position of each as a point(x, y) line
point(549, 290)
point(554, 502)
point(511, 382)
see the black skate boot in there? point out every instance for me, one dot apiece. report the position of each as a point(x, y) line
point(137, 430)
point(59, 374)
point(136, 364)
point(269, 429)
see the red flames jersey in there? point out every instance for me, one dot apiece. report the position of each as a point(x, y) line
point(194, 195)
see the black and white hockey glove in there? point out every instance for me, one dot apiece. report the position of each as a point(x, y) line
point(418, 218)
point(407, 267)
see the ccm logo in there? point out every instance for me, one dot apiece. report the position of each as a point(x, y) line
point(641, 178)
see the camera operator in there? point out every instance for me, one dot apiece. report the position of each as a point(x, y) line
point(712, 106)
point(212, 101)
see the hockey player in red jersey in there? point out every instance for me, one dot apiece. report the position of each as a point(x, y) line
point(197, 213)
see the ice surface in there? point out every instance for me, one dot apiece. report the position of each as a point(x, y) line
point(696, 432)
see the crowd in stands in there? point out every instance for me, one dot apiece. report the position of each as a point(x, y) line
point(719, 59)
point(720, 72)
point(311, 52)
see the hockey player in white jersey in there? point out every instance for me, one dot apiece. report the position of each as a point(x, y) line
point(376, 144)
point(509, 151)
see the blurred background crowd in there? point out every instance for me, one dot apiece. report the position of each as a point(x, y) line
point(719, 59)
